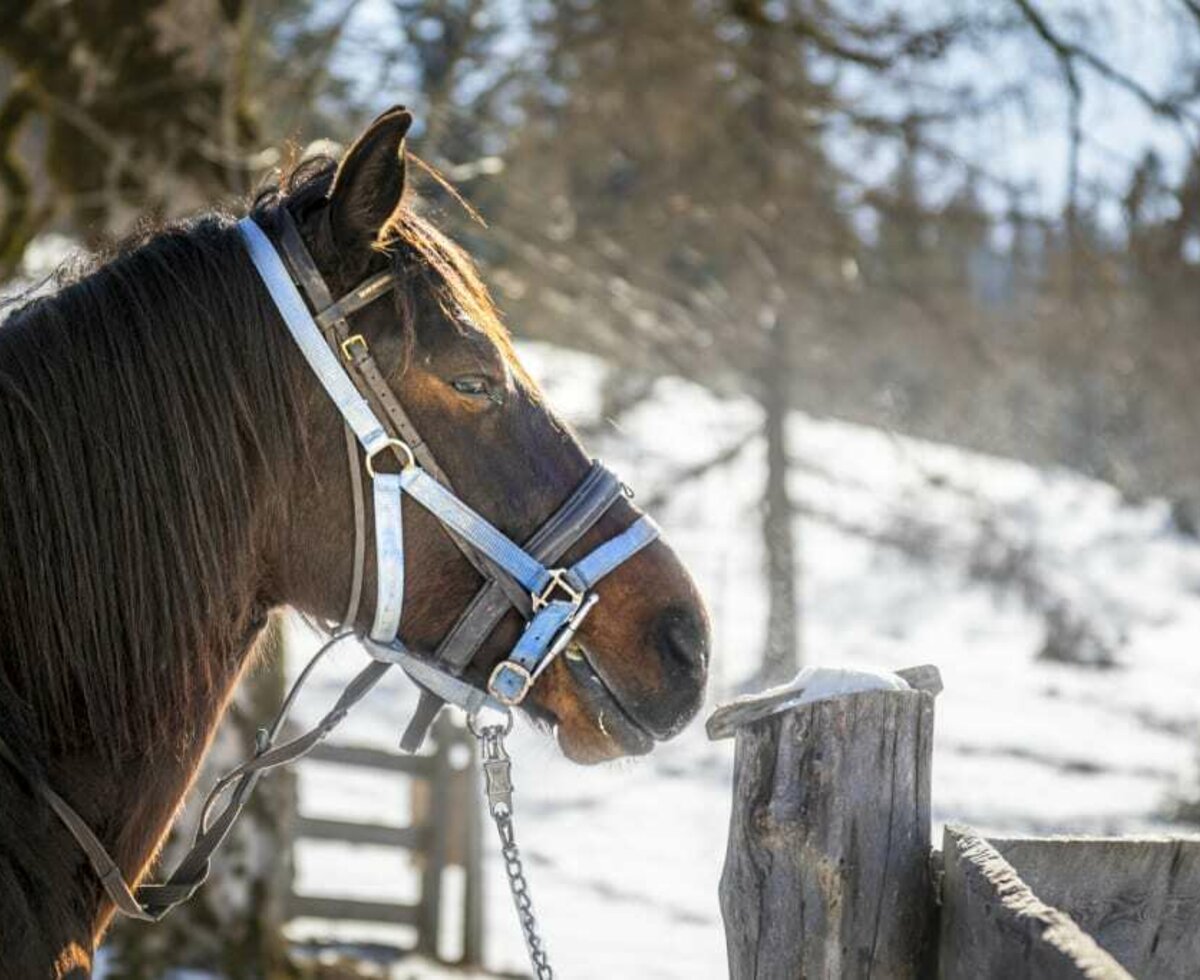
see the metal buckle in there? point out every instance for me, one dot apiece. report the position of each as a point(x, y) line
point(529, 677)
point(525, 677)
point(348, 345)
point(558, 580)
point(403, 452)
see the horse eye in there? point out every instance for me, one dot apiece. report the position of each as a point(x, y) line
point(470, 386)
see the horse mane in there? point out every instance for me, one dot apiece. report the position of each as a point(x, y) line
point(153, 365)
point(142, 407)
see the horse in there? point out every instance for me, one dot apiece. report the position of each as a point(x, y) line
point(172, 475)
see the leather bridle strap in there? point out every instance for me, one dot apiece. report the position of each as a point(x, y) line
point(104, 867)
point(192, 871)
point(371, 433)
point(152, 902)
point(330, 317)
point(599, 490)
point(359, 559)
point(373, 288)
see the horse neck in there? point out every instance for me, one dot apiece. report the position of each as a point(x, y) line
point(51, 902)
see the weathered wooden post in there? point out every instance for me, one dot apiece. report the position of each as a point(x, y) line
point(993, 925)
point(827, 867)
point(1138, 897)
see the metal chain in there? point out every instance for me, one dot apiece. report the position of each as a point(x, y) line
point(497, 776)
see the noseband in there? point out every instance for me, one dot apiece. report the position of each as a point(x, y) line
point(553, 598)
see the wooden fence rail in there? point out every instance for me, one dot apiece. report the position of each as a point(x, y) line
point(992, 919)
point(445, 832)
point(1138, 897)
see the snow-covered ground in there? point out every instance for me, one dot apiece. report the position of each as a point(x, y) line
point(913, 553)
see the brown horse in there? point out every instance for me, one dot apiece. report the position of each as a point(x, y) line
point(171, 472)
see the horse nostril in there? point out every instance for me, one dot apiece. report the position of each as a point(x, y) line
point(679, 634)
point(682, 636)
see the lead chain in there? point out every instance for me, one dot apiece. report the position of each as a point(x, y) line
point(497, 776)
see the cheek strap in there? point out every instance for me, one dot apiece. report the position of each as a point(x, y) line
point(389, 557)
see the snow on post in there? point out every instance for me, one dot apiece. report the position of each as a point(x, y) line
point(827, 867)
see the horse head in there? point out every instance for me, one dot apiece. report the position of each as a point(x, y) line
point(635, 671)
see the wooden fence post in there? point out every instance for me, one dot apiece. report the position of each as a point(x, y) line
point(436, 841)
point(827, 869)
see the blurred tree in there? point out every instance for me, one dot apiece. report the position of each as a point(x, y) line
point(113, 112)
point(671, 190)
point(635, 222)
point(449, 46)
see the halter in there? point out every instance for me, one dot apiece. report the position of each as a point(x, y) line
point(554, 599)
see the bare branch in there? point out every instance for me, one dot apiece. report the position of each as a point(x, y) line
point(671, 487)
point(927, 44)
point(1069, 54)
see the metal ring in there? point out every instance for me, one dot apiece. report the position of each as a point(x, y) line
point(402, 449)
point(477, 729)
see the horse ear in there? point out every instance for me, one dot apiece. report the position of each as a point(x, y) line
point(369, 182)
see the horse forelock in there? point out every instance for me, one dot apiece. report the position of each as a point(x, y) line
point(429, 265)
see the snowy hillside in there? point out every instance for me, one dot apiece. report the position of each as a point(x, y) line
point(913, 553)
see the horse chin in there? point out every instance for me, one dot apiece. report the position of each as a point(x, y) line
point(588, 720)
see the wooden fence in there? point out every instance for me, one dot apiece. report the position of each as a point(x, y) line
point(444, 833)
point(829, 871)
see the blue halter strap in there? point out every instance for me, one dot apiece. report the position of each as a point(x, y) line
point(559, 598)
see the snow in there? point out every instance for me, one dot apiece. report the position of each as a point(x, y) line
point(624, 859)
point(811, 684)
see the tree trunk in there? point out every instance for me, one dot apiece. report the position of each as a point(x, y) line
point(781, 652)
point(781, 656)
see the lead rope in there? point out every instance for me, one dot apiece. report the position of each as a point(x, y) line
point(497, 778)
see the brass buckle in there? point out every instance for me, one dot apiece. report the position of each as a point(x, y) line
point(558, 580)
point(348, 345)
